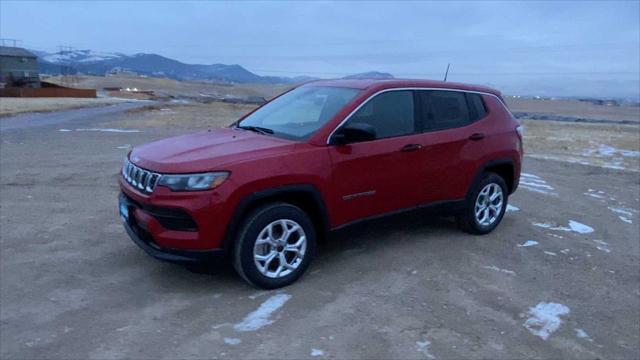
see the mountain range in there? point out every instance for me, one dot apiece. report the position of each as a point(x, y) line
point(102, 63)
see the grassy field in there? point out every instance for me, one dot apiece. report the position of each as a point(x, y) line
point(574, 108)
point(175, 88)
point(604, 145)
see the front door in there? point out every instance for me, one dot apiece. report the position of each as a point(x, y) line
point(382, 175)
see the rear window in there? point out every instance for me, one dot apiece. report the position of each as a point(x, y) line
point(444, 109)
point(477, 107)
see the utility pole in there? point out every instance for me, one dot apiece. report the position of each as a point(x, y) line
point(65, 65)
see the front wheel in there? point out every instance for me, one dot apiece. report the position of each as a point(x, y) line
point(485, 205)
point(275, 246)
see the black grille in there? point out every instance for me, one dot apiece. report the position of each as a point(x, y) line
point(169, 218)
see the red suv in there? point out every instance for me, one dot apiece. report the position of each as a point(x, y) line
point(321, 156)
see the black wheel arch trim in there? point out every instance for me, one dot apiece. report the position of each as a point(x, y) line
point(496, 162)
point(254, 198)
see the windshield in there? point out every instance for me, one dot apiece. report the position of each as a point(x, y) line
point(299, 113)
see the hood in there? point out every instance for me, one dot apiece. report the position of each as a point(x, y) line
point(207, 150)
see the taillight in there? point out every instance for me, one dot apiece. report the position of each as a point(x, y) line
point(520, 130)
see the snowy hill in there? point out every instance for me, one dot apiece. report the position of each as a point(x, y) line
point(102, 63)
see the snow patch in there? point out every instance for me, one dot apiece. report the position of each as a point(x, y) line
point(111, 130)
point(628, 221)
point(512, 208)
point(495, 268)
point(602, 246)
point(528, 243)
point(550, 253)
point(257, 295)
point(574, 226)
point(622, 211)
point(544, 319)
point(536, 184)
point(594, 195)
point(423, 347)
point(580, 227)
point(261, 317)
point(624, 214)
point(232, 341)
point(527, 175)
point(583, 334)
point(603, 150)
point(316, 352)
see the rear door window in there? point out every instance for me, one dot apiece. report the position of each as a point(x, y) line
point(442, 109)
point(390, 113)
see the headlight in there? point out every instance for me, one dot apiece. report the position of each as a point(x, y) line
point(193, 182)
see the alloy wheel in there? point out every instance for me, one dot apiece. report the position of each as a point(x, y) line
point(489, 204)
point(279, 248)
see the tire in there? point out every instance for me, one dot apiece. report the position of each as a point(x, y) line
point(267, 270)
point(480, 225)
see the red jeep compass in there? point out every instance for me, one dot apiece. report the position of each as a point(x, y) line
point(319, 157)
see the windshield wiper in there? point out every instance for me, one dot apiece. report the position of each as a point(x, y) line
point(258, 129)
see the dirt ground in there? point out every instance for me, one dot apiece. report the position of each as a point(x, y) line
point(559, 278)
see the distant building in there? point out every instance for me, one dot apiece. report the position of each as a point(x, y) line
point(18, 68)
point(120, 71)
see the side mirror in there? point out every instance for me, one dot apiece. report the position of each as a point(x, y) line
point(354, 132)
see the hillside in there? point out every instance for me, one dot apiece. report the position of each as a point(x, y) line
point(90, 62)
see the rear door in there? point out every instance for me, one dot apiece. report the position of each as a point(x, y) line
point(379, 176)
point(453, 141)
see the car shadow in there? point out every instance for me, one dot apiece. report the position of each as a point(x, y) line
point(378, 231)
point(353, 238)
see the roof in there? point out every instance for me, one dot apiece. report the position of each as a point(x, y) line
point(15, 51)
point(382, 84)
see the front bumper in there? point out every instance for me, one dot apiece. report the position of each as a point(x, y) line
point(171, 255)
point(179, 220)
point(145, 241)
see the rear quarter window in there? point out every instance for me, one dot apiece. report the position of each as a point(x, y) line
point(477, 108)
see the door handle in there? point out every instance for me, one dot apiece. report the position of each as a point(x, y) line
point(476, 137)
point(411, 147)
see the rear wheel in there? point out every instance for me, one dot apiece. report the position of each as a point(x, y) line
point(274, 246)
point(485, 205)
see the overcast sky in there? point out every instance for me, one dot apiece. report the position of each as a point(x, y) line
point(571, 48)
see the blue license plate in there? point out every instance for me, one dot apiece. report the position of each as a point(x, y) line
point(124, 211)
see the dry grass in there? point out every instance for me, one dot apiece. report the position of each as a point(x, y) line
point(175, 88)
point(190, 116)
point(574, 108)
point(605, 145)
point(18, 105)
